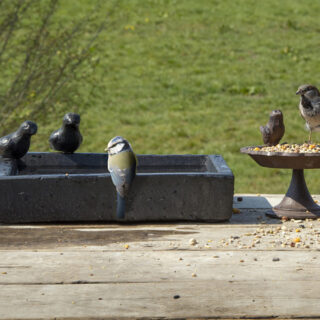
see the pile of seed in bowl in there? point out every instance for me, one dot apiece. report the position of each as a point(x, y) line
point(290, 148)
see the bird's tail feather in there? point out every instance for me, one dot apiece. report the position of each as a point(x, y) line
point(120, 206)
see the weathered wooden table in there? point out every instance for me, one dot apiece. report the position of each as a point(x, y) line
point(252, 267)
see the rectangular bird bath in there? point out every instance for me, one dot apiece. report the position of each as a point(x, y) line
point(55, 187)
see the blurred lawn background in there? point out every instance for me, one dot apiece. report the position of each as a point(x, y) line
point(195, 77)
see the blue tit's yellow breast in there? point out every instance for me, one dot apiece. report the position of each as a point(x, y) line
point(122, 160)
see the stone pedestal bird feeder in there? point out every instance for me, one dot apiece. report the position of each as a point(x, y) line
point(297, 203)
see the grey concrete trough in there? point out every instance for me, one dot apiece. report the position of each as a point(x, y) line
point(54, 187)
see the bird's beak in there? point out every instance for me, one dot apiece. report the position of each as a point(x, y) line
point(298, 92)
point(106, 149)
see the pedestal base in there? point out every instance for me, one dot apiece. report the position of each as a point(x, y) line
point(297, 203)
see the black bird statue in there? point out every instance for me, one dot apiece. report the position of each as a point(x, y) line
point(309, 107)
point(68, 138)
point(273, 131)
point(15, 145)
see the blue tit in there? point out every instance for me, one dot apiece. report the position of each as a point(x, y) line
point(122, 164)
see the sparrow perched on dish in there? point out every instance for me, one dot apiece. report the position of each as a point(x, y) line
point(273, 131)
point(122, 164)
point(309, 107)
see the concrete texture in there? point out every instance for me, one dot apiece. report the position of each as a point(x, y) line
point(8, 167)
point(54, 187)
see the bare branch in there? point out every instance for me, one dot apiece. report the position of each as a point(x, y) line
point(48, 62)
point(11, 22)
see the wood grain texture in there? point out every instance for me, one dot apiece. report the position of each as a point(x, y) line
point(155, 267)
point(152, 271)
point(199, 298)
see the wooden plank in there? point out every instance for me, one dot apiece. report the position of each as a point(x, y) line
point(134, 267)
point(105, 237)
point(198, 299)
point(85, 271)
point(161, 236)
point(86, 238)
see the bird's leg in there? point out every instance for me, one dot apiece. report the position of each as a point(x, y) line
point(310, 136)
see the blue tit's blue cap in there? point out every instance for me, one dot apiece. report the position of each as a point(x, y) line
point(115, 140)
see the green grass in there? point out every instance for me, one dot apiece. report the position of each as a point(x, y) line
point(198, 77)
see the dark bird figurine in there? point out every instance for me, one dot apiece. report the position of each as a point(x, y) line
point(273, 131)
point(309, 107)
point(122, 164)
point(68, 138)
point(15, 145)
